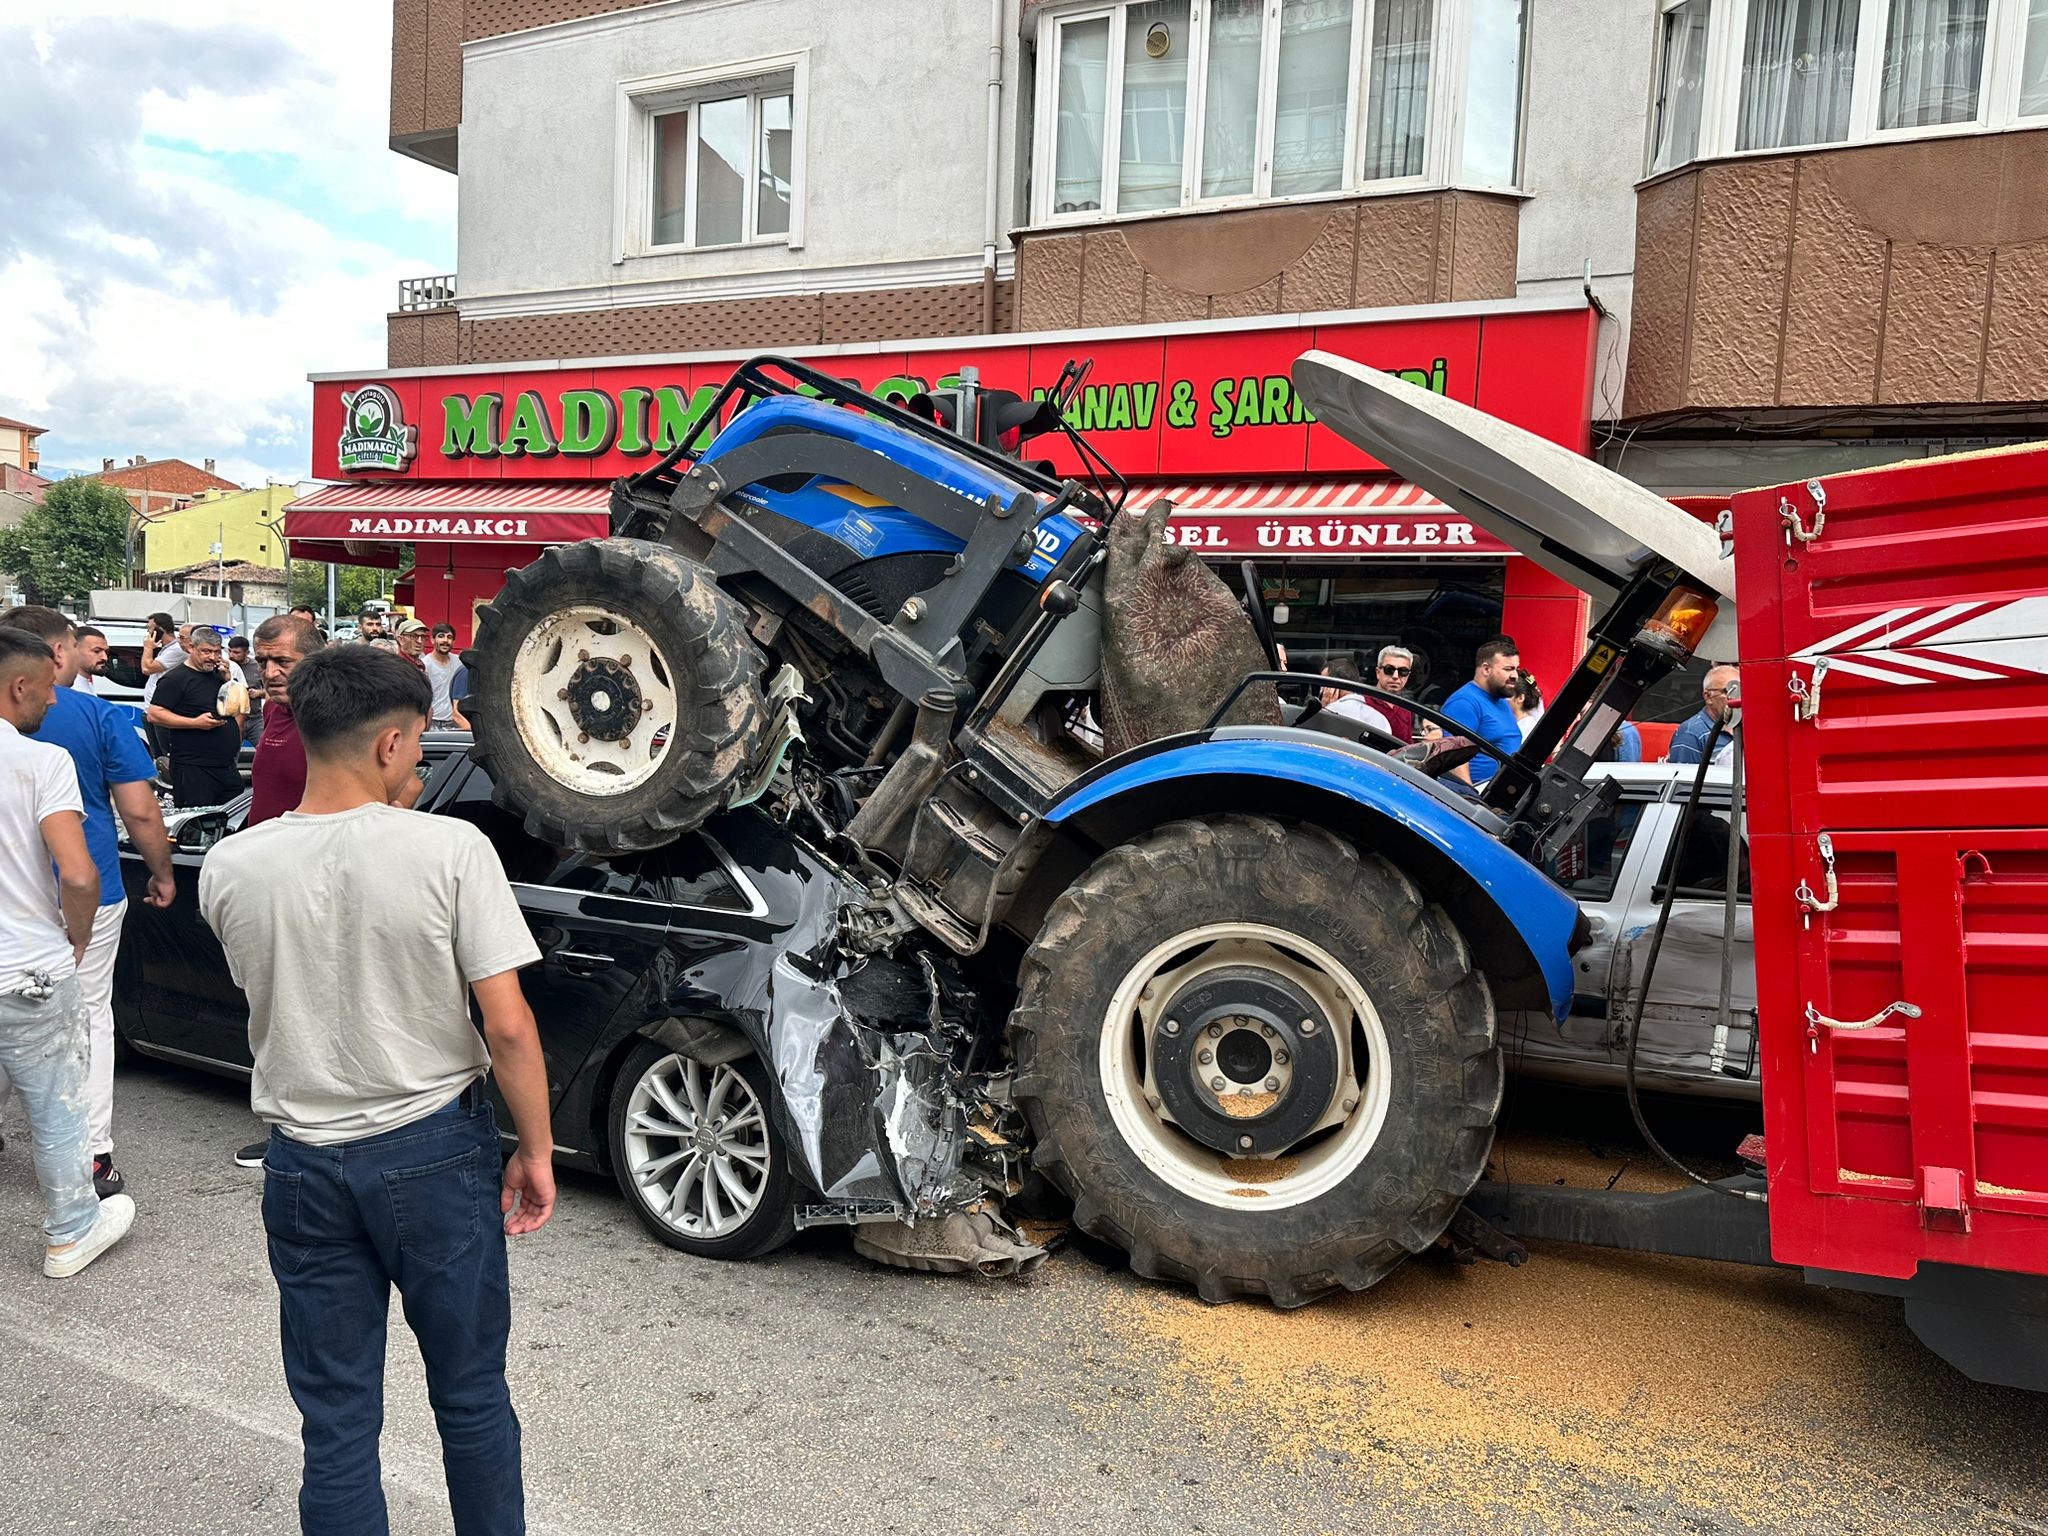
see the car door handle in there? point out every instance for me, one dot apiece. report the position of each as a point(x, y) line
point(1596, 923)
point(581, 963)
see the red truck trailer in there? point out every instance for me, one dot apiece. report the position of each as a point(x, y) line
point(1894, 637)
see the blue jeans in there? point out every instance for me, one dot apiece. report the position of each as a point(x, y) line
point(45, 1051)
point(416, 1208)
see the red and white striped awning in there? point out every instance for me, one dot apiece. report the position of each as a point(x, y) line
point(500, 511)
point(1384, 494)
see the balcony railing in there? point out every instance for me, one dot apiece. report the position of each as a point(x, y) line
point(425, 292)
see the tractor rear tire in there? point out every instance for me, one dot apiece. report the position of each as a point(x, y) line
point(616, 695)
point(1200, 943)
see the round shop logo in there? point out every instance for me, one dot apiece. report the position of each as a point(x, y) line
point(374, 432)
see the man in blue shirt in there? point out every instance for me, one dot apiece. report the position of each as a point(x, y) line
point(114, 774)
point(1482, 707)
point(1690, 739)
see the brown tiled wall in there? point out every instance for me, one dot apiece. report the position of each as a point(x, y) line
point(1422, 249)
point(1893, 274)
point(426, 50)
point(426, 65)
point(437, 338)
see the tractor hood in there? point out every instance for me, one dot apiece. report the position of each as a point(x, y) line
point(1577, 520)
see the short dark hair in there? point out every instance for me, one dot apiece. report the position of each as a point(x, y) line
point(304, 608)
point(306, 638)
point(343, 695)
point(1499, 645)
point(445, 629)
point(1343, 667)
point(164, 620)
point(18, 647)
point(46, 624)
point(235, 640)
point(82, 631)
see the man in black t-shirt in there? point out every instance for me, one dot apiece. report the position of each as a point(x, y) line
point(202, 742)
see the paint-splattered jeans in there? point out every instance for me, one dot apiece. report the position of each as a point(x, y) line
point(44, 1052)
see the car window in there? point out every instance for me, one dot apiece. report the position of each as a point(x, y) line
point(632, 875)
point(124, 666)
point(687, 873)
point(1704, 874)
point(527, 859)
point(1591, 867)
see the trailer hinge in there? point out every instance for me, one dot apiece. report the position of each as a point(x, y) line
point(1816, 1021)
point(1805, 896)
point(1805, 694)
point(1796, 531)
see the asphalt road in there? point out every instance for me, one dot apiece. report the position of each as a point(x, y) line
point(814, 1392)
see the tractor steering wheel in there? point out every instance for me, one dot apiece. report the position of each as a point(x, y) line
point(1262, 624)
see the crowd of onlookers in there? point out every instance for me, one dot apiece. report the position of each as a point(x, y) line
point(203, 694)
point(1501, 705)
point(366, 1063)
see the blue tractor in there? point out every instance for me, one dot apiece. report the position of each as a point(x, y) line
point(1226, 981)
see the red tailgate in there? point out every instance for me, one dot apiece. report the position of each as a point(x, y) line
point(1895, 687)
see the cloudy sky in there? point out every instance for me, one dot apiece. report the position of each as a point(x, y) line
point(197, 208)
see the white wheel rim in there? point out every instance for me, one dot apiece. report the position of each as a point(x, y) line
point(551, 659)
point(1317, 1163)
point(697, 1146)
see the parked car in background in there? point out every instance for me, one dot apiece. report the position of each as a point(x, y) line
point(1619, 873)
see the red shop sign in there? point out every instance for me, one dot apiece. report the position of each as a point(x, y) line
point(1186, 401)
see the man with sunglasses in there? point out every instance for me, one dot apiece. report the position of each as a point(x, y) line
point(1396, 667)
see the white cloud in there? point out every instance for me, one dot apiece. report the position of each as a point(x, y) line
point(212, 213)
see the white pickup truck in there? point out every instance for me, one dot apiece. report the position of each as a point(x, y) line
point(1618, 876)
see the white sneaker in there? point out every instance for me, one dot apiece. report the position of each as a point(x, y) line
point(117, 1215)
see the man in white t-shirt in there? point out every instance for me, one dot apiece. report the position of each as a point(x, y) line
point(45, 924)
point(383, 1166)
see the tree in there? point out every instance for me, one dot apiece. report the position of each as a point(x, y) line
point(354, 585)
point(72, 543)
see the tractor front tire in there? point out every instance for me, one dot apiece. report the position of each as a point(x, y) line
point(615, 695)
point(1256, 1058)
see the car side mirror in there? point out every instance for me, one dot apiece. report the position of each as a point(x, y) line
point(198, 833)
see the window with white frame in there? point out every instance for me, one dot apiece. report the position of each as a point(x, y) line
point(712, 160)
point(1158, 104)
point(1755, 76)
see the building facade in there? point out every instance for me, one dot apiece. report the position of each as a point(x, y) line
point(153, 486)
point(18, 445)
point(1798, 235)
point(247, 526)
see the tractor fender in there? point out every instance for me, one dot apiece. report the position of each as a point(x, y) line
point(1521, 926)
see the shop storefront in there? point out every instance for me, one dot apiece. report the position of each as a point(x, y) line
point(454, 476)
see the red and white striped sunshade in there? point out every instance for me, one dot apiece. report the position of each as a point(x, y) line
point(1383, 494)
point(475, 496)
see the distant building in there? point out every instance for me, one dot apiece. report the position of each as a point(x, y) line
point(19, 490)
point(18, 444)
point(255, 586)
point(248, 525)
point(160, 485)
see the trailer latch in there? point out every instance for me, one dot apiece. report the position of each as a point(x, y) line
point(1816, 1021)
point(1804, 895)
point(1806, 695)
point(1795, 530)
point(1943, 1206)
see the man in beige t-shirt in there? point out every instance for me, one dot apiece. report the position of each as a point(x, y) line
point(384, 1167)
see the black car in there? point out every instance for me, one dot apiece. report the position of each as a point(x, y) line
point(648, 962)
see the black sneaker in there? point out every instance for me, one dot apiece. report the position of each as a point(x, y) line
point(106, 1178)
point(251, 1156)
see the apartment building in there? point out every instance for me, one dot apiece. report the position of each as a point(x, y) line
point(1715, 241)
